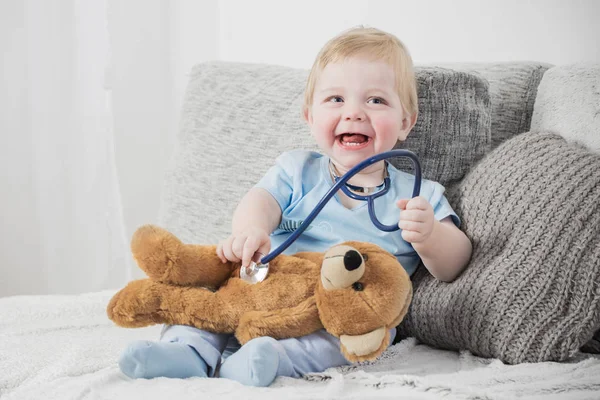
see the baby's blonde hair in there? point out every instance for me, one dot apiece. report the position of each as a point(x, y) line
point(375, 45)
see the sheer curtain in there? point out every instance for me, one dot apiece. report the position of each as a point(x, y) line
point(62, 226)
point(90, 95)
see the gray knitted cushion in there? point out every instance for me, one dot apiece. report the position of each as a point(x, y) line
point(237, 118)
point(532, 289)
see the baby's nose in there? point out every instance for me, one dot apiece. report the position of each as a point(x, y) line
point(354, 116)
point(353, 112)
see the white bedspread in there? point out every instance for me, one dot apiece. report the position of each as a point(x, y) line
point(64, 347)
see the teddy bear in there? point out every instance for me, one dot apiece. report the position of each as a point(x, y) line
point(355, 290)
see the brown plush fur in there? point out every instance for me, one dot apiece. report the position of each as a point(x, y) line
point(189, 285)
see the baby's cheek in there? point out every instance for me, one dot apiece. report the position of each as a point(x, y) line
point(323, 124)
point(387, 127)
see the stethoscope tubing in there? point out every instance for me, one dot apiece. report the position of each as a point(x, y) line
point(341, 183)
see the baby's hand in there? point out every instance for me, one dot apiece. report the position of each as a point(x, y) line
point(416, 219)
point(242, 246)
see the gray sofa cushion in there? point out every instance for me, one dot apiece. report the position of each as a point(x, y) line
point(531, 291)
point(568, 103)
point(513, 91)
point(453, 128)
point(237, 118)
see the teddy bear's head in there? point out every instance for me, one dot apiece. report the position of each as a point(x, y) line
point(363, 293)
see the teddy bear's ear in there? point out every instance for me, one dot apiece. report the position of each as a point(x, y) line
point(366, 347)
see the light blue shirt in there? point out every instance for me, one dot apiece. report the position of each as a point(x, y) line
point(299, 180)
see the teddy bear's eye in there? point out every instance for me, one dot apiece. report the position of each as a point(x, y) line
point(365, 257)
point(358, 286)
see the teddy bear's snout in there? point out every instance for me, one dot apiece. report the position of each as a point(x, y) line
point(342, 267)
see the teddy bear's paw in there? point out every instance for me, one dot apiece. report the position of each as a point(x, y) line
point(155, 250)
point(248, 328)
point(366, 347)
point(134, 306)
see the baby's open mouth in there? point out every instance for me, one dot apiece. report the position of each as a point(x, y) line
point(353, 139)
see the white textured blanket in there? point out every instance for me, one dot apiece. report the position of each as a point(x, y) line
point(64, 347)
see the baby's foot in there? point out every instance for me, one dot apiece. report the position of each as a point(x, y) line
point(145, 359)
point(254, 364)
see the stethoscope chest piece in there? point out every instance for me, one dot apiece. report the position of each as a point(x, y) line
point(256, 271)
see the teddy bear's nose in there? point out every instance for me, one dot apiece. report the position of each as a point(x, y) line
point(352, 260)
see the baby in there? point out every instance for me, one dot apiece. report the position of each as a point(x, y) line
point(360, 100)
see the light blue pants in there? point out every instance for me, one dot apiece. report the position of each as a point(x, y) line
point(298, 356)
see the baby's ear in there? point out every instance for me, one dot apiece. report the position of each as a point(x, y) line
point(407, 124)
point(307, 114)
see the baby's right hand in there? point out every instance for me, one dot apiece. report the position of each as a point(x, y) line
point(242, 246)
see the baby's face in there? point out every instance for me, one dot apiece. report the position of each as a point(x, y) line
point(356, 111)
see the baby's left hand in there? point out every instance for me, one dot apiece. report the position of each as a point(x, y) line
point(416, 219)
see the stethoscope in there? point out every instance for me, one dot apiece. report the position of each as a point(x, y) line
point(258, 269)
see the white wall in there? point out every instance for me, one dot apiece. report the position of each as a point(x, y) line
point(290, 33)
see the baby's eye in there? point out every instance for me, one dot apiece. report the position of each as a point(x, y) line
point(376, 100)
point(335, 99)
